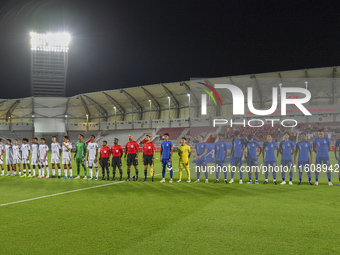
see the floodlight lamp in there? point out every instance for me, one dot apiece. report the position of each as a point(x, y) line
point(56, 42)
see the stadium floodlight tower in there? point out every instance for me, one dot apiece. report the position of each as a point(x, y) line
point(49, 57)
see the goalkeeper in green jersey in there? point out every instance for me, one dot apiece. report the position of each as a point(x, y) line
point(79, 156)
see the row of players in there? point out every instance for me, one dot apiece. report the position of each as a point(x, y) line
point(240, 149)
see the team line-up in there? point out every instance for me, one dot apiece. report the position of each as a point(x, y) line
point(241, 149)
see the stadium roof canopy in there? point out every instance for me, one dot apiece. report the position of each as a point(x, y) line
point(100, 105)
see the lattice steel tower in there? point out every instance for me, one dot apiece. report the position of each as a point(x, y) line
point(49, 57)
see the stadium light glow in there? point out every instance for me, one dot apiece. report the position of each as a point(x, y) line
point(53, 42)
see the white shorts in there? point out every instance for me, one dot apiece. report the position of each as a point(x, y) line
point(66, 161)
point(34, 162)
point(25, 161)
point(91, 163)
point(55, 161)
point(16, 161)
point(43, 163)
point(9, 161)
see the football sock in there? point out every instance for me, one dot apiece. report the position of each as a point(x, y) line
point(309, 174)
point(163, 171)
point(241, 175)
point(217, 172)
point(206, 172)
point(128, 174)
point(329, 175)
point(85, 170)
point(225, 172)
point(317, 176)
point(145, 173)
point(91, 174)
point(53, 171)
point(250, 175)
point(33, 170)
point(300, 176)
point(120, 173)
point(97, 172)
point(78, 170)
point(233, 169)
point(59, 171)
point(283, 175)
point(188, 173)
point(65, 172)
point(171, 173)
point(266, 174)
point(180, 174)
point(29, 170)
point(48, 171)
point(198, 173)
point(291, 173)
point(70, 171)
point(113, 174)
point(274, 175)
point(137, 173)
point(257, 175)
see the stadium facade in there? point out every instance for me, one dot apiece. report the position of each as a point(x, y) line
point(166, 106)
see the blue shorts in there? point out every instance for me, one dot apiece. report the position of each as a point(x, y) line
point(322, 161)
point(222, 165)
point(252, 162)
point(165, 162)
point(303, 165)
point(288, 163)
point(236, 161)
point(269, 163)
point(201, 162)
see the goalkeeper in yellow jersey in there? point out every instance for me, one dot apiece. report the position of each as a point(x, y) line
point(184, 153)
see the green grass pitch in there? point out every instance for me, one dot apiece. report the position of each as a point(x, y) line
point(164, 218)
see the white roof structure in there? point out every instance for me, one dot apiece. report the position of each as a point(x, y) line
point(322, 82)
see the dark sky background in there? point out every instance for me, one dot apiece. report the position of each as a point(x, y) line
point(118, 44)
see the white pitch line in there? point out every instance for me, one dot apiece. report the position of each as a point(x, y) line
point(66, 192)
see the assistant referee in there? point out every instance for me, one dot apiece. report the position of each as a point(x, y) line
point(105, 160)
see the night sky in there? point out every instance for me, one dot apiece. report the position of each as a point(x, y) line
point(119, 44)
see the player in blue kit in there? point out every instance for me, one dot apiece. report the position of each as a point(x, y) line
point(167, 149)
point(336, 148)
point(252, 158)
point(305, 158)
point(221, 155)
point(286, 148)
point(269, 159)
point(321, 146)
point(236, 156)
point(200, 152)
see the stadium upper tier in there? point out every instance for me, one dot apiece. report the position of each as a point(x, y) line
point(152, 102)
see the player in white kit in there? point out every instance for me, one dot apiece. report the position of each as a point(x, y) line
point(16, 157)
point(25, 157)
point(66, 159)
point(43, 155)
point(55, 157)
point(2, 151)
point(92, 157)
point(9, 157)
point(35, 156)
